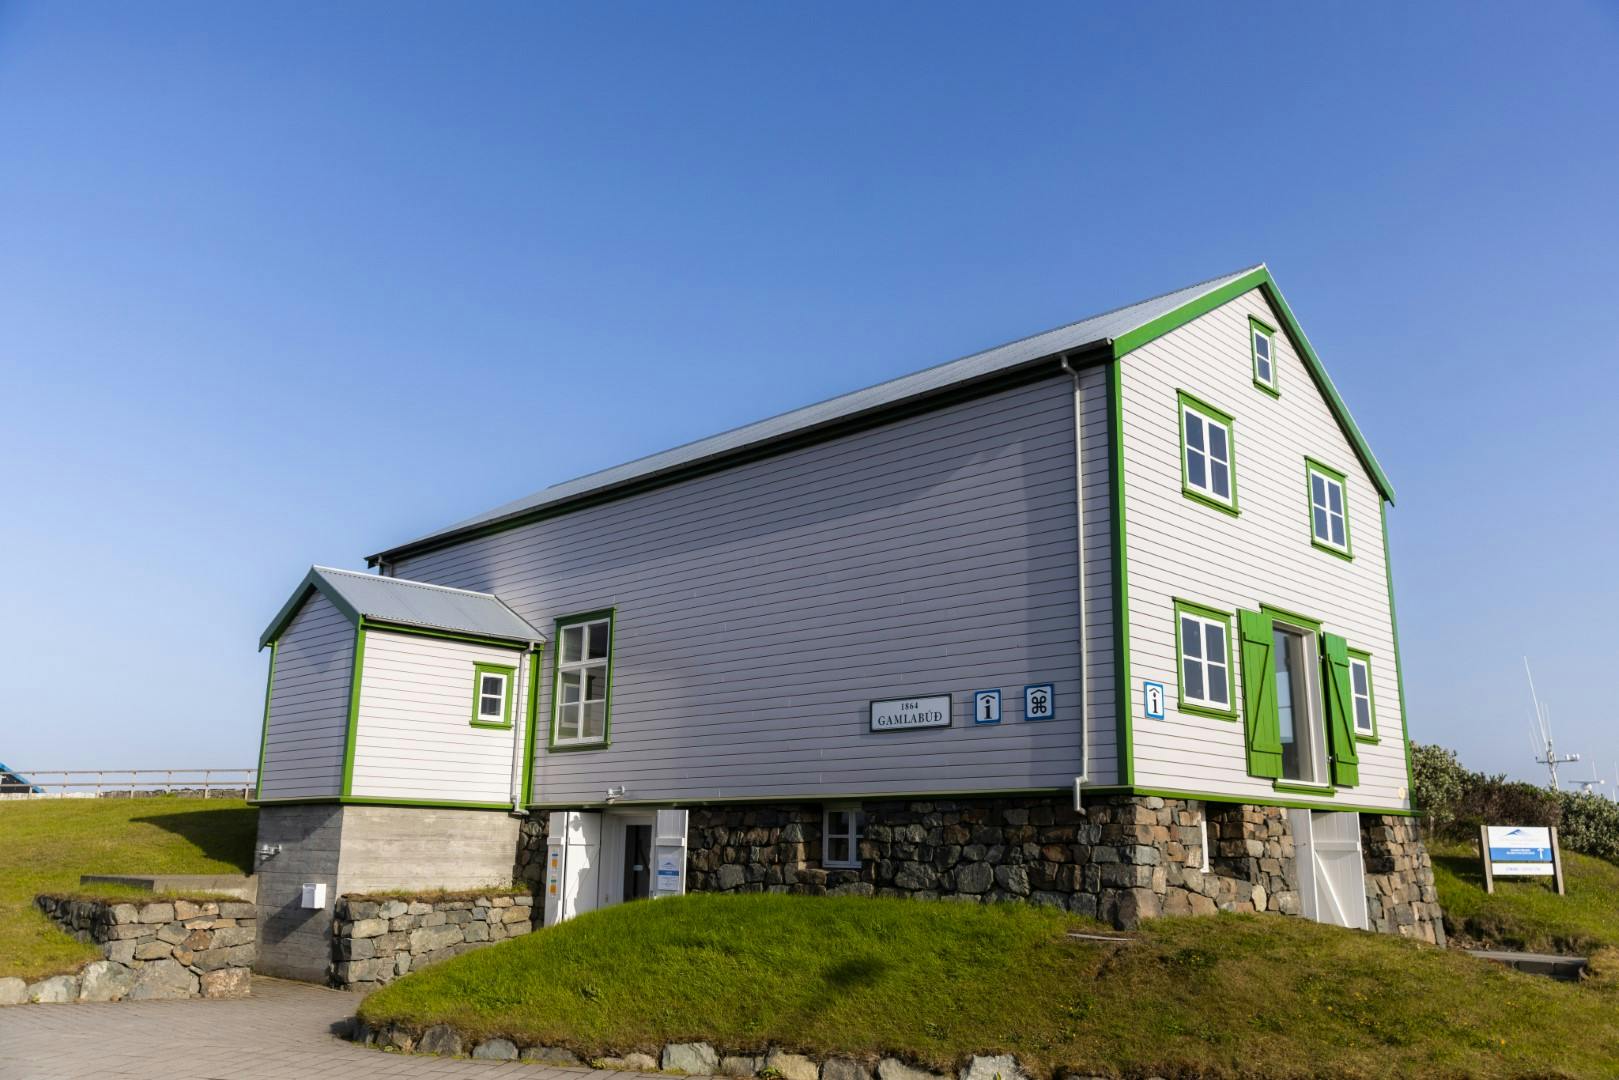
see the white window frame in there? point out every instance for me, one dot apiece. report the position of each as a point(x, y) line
point(1206, 489)
point(499, 715)
point(1356, 697)
point(852, 834)
point(1202, 660)
point(582, 666)
point(1315, 720)
point(1257, 332)
point(1328, 482)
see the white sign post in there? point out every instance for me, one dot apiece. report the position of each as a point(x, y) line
point(1520, 851)
point(904, 714)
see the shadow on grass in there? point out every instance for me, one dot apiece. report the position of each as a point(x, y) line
point(226, 835)
point(1466, 868)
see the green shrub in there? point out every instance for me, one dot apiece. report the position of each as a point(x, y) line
point(1590, 824)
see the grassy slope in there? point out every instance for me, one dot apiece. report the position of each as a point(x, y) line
point(1529, 914)
point(46, 844)
point(1259, 996)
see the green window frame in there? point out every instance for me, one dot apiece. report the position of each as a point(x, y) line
point(1189, 615)
point(1256, 331)
point(480, 695)
point(1200, 473)
point(1319, 479)
point(1359, 658)
point(578, 660)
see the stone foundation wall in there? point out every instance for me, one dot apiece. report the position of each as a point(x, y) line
point(1400, 894)
point(377, 939)
point(155, 949)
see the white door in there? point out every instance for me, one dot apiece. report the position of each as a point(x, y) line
point(1332, 875)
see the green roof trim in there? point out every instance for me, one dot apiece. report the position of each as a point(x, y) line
point(1261, 279)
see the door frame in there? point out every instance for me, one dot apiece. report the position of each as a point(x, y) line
point(611, 878)
point(1338, 910)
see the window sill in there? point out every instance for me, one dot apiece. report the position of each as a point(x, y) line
point(1293, 787)
point(1271, 390)
point(1210, 501)
point(1319, 545)
point(1372, 740)
point(840, 866)
point(1211, 711)
point(491, 726)
point(571, 747)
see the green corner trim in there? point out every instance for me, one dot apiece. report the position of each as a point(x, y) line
point(1247, 800)
point(1371, 695)
point(354, 708)
point(1261, 279)
point(1255, 328)
point(509, 674)
point(1189, 607)
point(1123, 688)
point(264, 735)
point(1399, 676)
point(531, 714)
point(1186, 401)
point(1311, 466)
point(552, 746)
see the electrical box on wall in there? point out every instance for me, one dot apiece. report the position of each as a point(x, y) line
point(314, 894)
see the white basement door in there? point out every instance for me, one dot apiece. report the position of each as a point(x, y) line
point(1332, 875)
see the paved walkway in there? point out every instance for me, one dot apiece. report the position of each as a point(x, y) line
point(283, 1031)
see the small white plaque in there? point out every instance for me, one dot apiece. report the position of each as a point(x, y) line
point(986, 706)
point(1039, 702)
point(904, 714)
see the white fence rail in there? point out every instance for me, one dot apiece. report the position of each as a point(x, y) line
point(127, 783)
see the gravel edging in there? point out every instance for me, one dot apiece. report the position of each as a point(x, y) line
point(694, 1058)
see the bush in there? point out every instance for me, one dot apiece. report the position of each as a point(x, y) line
point(1590, 825)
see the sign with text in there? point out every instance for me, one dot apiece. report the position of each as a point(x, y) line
point(905, 714)
point(1520, 851)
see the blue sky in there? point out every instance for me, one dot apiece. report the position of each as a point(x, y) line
point(283, 284)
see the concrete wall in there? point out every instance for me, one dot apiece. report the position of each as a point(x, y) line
point(295, 943)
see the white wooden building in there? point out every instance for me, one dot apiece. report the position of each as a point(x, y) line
point(1138, 562)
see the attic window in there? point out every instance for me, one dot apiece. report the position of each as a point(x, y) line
point(1262, 338)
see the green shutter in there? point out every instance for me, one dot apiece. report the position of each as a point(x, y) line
point(1340, 712)
point(1264, 730)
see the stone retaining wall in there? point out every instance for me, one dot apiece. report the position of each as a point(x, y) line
point(1401, 897)
point(376, 939)
point(153, 949)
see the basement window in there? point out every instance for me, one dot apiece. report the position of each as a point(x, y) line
point(840, 837)
point(492, 695)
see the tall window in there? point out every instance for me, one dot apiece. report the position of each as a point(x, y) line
point(1360, 692)
point(1208, 467)
point(1329, 513)
point(584, 663)
point(492, 695)
point(840, 837)
point(1298, 714)
point(1263, 340)
point(1203, 639)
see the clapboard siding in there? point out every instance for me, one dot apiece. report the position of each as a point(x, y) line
point(309, 704)
point(1181, 548)
point(761, 608)
point(414, 738)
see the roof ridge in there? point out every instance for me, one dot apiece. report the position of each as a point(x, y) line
point(413, 583)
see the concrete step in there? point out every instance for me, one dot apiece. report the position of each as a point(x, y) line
point(1566, 968)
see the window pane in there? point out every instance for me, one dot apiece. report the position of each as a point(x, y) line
point(489, 706)
point(568, 722)
point(1321, 523)
point(1193, 677)
point(1222, 480)
point(1335, 498)
point(1338, 531)
point(1214, 634)
point(1318, 490)
point(1218, 449)
point(1218, 679)
point(1262, 347)
point(1191, 639)
point(837, 822)
point(1363, 714)
point(837, 849)
point(494, 684)
point(595, 683)
point(1195, 474)
point(570, 686)
point(1357, 676)
point(573, 638)
point(598, 641)
point(595, 725)
point(1264, 370)
point(1194, 431)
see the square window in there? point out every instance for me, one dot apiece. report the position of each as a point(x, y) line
point(840, 837)
point(1203, 639)
point(492, 695)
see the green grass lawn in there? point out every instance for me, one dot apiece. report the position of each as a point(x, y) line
point(45, 844)
point(1225, 996)
point(1528, 914)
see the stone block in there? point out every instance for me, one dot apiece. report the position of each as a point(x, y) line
point(741, 1065)
point(894, 1069)
point(153, 950)
point(1133, 906)
point(697, 1058)
point(432, 938)
point(173, 933)
point(231, 909)
point(364, 928)
point(13, 991)
point(495, 1050)
point(56, 990)
point(517, 914)
point(186, 909)
point(227, 983)
point(434, 918)
point(124, 913)
point(628, 1063)
point(842, 1068)
point(120, 952)
point(552, 1055)
point(478, 931)
point(163, 979)
point(229, 936)
point(992, 1067)
point(440, 1039)
point(793, 1066)
point(157, 913)
point(392, 909)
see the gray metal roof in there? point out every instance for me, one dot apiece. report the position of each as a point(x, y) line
point(410, 603)
point(1096, 330)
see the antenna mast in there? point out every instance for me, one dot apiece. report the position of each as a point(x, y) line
point(1550, 758)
